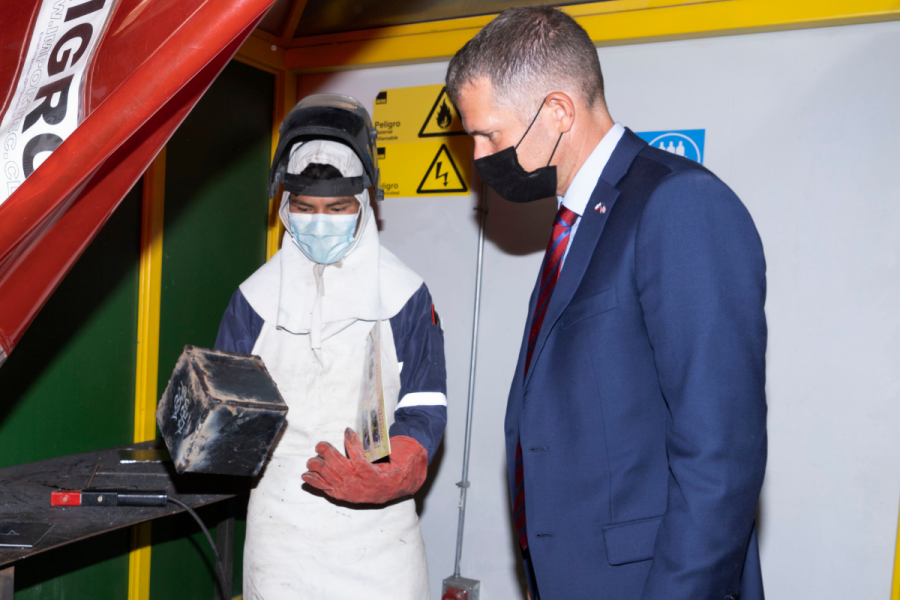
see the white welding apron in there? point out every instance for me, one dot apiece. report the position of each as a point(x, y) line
point(300, 544)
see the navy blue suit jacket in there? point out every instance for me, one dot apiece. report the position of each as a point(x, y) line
point(643, 416)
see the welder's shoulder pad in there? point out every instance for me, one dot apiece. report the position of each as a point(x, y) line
point(398, 283)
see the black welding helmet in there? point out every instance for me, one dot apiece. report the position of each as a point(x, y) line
point(327, 116)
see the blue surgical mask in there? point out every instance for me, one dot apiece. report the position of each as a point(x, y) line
point(324, 239)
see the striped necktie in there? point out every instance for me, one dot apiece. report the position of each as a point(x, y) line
point(556, 250)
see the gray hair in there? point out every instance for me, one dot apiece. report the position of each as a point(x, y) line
point(526, 53)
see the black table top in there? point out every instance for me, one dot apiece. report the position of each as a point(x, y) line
point(25, 495)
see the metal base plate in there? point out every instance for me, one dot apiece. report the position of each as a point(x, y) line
point(470, 587)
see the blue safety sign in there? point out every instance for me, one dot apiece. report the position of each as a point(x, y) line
point(686, 142)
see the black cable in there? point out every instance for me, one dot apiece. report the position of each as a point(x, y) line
point(220, 578)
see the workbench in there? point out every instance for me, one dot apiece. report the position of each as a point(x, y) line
point(25, 498)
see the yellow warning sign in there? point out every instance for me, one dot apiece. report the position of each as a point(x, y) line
point(443, 118)
point(432, 168)
point(420, 113)
point(423, 149)
point(442, 176)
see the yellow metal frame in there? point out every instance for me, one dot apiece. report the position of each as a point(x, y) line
point(263, 51)
point(139, 562)
point(258, 52)
point(895, 583)
point(150, 292)
point(608, 23)
point(285, 98)
point(293, 20)
point(145, 392)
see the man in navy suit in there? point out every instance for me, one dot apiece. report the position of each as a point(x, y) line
point(636, 422)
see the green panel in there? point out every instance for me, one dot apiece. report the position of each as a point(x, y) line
point(69, 387)
point(182, 562)
point(214, 237)
point(181, 559)
point(95, 569)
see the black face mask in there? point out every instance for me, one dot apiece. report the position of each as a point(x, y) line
point(506, 176)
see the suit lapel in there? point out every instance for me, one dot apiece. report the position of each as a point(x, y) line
point(586, 237)
point(580, 253)
point(523, 348)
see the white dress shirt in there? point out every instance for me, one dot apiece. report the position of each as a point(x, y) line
point(582, 186)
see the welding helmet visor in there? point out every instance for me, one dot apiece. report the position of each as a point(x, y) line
point(327, 116)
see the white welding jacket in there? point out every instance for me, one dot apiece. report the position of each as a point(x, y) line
point(309, 323)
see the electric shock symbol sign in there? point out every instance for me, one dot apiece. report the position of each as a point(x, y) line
point(442, 176)
point(443, 118)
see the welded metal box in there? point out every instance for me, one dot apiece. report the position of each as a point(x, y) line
point(220, 412)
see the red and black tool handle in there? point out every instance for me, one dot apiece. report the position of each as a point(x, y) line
point(98, 497)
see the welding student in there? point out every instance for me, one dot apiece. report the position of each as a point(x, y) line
point(352, 531)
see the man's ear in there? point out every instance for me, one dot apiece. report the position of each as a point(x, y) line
point(562, 108)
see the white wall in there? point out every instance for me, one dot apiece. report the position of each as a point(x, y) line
point(804, 126)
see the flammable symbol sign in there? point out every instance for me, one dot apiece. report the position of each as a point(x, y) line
point(443, 118)
point(442, 176)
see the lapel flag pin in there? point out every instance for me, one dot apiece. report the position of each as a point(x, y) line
point(600, 208)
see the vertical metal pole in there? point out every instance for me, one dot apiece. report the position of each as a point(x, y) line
point(464, 484)
point(7, 583)
point(225, 548)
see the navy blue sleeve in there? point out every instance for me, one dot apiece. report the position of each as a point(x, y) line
point(240, 326)
point(422, 410)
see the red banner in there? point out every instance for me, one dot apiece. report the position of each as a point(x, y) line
point(152, 61)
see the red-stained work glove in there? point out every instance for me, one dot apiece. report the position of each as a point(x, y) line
point(357, 480)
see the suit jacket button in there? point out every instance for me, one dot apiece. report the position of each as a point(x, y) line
point(732, 597)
